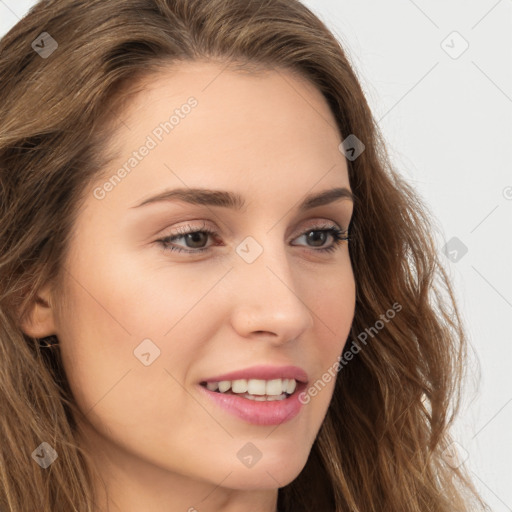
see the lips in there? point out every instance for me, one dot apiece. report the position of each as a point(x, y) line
point(262, 372)
point(262, 413)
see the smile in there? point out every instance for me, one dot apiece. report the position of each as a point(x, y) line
point(255, 389)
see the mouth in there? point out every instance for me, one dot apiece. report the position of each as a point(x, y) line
point(270, 399)
point(258, 390)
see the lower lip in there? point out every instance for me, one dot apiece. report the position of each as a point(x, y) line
point(274, 412)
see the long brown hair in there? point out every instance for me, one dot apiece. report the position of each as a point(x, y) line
point(380, 448)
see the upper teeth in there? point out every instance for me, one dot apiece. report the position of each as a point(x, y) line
point(254, 386)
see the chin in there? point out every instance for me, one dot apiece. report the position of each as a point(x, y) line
point(265, 475)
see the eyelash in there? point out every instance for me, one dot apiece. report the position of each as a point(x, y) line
point(339, 236)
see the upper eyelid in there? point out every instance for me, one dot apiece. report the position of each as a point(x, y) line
point(316, 224)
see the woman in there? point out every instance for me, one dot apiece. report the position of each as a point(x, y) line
point(217, 294)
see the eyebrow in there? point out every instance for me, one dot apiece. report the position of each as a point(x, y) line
point(225, 199)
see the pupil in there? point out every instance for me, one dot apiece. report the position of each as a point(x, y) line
point(194, 238)
point(315, 236)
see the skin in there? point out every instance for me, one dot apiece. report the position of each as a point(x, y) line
point(158, 444)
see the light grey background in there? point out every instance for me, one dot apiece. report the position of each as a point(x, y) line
point(448, 123)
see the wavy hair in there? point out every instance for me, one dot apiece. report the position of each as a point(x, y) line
point(380, 447)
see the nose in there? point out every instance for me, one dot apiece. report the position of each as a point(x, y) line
point(267, 299)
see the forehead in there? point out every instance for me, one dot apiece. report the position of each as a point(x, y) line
point(216, 127)
point(274, 98)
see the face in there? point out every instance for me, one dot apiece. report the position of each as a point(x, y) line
point(152, 313)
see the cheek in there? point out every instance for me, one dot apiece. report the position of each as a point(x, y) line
point(334, 307)
point(122, 313)
point(122, 397)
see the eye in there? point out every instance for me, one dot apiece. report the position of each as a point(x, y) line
point(318, 235)
point(196, 238)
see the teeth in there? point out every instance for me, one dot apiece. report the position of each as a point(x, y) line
point(224, 385)
point(274, 387)
point(239, 386)
point(267, 398)
point(271, 388)
point(256, 387)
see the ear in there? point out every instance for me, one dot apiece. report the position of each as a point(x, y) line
point(39, 321)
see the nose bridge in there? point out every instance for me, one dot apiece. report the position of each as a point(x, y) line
point(268, 298)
